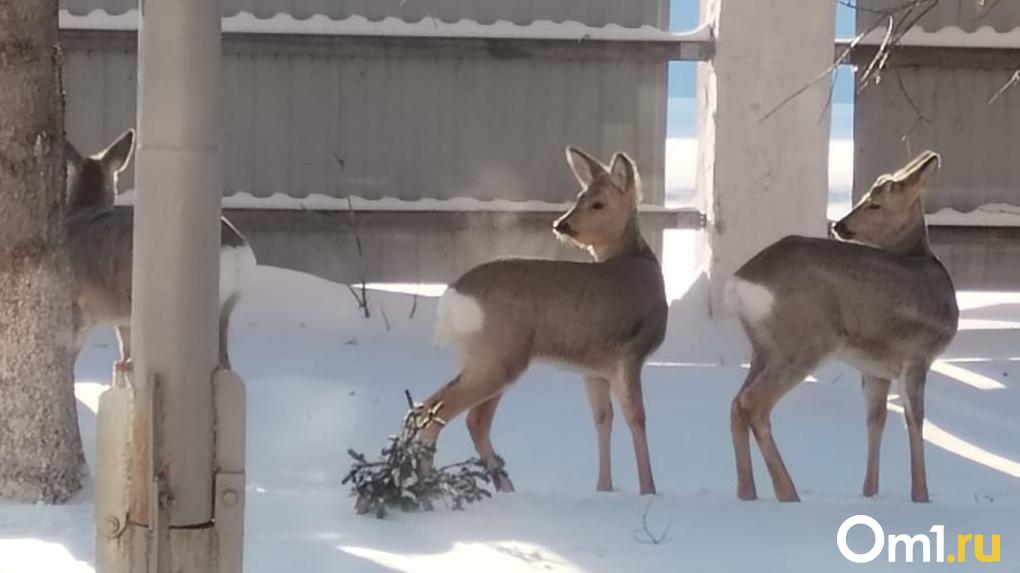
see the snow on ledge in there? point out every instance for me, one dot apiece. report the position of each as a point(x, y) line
point(948, 37)
point(990, 215)
point(429, 27)
point(319, 202)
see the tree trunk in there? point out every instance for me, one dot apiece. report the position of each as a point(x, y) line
point(40, 449)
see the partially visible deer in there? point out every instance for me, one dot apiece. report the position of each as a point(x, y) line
point(878, 300)
point(601, 318)
point(99, 242)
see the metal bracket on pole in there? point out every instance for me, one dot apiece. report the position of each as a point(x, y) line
point(159, 520)
point(229, 395)
point(113, 455)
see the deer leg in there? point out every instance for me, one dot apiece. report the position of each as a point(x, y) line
point(602, 412)
point(626, 386)
point(757, 401)
point(913, 400)
point(741, 431)
point(226, 309)
point(474, 385)
point(479, 424)
point(876, 393)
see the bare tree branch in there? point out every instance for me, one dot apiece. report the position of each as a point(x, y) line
point(1013, 80)
point(645, 534)
point(897, 20)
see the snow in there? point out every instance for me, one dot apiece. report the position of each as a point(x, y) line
point(989, 215)
point(320, 202)
point(985, 37)
point(321, 379)
point(430, 27)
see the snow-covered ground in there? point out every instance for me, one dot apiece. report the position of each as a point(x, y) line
point(322, 379)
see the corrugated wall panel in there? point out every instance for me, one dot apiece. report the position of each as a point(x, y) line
point(977, 141)
point(593, 12)
point(946, 109)
point(393, 121)
point(1003, 15)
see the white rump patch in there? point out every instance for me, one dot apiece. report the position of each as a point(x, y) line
point(750, 301)
point(237, 267)
point(459, 314)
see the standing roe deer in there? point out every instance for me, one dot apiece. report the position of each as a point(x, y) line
point(600, 318)
point(882, 303)
point(99, 242)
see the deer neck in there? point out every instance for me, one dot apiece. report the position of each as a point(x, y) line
point(914, 241)
point(630, 244)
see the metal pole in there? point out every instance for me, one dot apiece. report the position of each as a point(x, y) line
point(171, 456)
point(170, 477)
point(176, 243)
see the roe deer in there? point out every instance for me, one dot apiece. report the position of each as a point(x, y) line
point(882, 303)
point(99, 242)
point(601, 318)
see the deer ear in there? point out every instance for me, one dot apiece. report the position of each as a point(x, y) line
point(625, 174)
point(116, 157)
point(623, 171)
point(585, 167)
point(919, 172)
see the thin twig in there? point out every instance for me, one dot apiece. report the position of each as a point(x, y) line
point(363, 301)
point(919, 116)
point(1013, 80)
point(645, 534)
point(898, 20)
point(414, 303)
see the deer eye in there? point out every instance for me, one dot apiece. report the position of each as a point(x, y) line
point(874, 206)
point(597, 205)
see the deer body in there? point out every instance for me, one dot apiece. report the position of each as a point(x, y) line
point(99, 241)
point(601, 319)
point(886, 307)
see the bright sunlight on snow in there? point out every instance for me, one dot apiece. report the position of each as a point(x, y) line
point(322, 379)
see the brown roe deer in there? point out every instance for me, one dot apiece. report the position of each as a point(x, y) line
point(600, 319)
point(878, 299)
point(99, 239)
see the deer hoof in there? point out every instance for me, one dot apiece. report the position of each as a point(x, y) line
point(361, 505)
point(503, 484)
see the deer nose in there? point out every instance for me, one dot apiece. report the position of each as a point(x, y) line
point(563, 227)
point(842, 231)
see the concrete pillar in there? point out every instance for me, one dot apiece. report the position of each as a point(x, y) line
point(762, 178)
point(181, 471)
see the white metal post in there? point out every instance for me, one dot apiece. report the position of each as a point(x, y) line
point(763, 178)
point(179, 504)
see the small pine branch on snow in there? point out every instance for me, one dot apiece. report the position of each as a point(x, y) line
point(405, 479)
